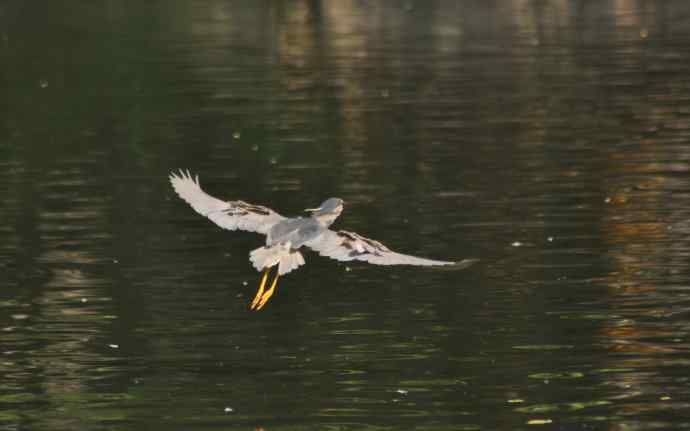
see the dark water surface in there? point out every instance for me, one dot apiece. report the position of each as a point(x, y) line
point(550, 140)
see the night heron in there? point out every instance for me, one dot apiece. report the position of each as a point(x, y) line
point(285, 236)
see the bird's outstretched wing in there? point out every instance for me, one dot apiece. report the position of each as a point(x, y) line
point(345, 246)
point(230, 215)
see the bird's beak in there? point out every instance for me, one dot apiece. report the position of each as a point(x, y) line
point(311, 210)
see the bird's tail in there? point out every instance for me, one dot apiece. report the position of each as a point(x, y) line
point(266, 257)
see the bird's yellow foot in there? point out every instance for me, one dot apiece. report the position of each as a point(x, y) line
point(262, 297)
point(267, 295)
point(260, 292)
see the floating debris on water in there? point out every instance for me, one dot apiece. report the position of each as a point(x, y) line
point(114, 346)
point(516, 244)
point(228, 410)
point(539, 421)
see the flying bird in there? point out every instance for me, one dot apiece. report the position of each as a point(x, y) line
point(286, 236)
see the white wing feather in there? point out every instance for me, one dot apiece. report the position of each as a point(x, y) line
point(231, 215)
point(345, 246)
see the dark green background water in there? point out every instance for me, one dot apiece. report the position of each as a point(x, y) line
point(550, 140)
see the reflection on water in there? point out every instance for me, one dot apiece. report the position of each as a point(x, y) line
point(547, 139)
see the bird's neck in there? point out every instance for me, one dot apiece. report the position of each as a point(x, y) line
point(326, 220)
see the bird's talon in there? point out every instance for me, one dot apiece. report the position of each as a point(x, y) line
point(260, 292)
point(267, 295)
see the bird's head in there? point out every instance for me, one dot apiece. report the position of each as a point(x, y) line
point(329, 210)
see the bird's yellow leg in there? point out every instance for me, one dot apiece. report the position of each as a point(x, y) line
point(260, 292)
point(269, 292)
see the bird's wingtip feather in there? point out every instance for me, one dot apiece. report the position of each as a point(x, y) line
point(183, 175)
point(465, 263)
